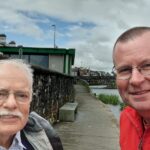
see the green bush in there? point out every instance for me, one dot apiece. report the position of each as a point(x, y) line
point(109, 99)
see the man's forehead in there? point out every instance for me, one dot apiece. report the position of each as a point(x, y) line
point(11, 69)
point(9, 77)
point(14, 83)
point(5, 65)
point(12, 76)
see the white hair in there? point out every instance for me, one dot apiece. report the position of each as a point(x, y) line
point(21, 64)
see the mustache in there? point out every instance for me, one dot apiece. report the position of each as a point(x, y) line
point(9, 113)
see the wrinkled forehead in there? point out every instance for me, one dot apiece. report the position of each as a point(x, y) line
point(13, 73)
point(12, 70)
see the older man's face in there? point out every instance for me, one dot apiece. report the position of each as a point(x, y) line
point(136, 90)
point(15, 98)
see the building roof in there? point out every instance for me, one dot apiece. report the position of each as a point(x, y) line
point(2, 35)
point(38, 50)
point(12, 42)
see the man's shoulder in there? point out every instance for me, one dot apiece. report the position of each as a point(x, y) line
point(131, 114)
point(37, 123)
point(33, 123)
point(41, 122)
point(128, 109)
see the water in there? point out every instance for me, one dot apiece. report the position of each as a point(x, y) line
point(100, 90)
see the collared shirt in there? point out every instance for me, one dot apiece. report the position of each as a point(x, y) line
point(16, 144)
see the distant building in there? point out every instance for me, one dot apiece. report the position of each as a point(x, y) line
point(94, 73)
point(80, 71)
point(58, 59)
point(2, 39)
point(12, 43)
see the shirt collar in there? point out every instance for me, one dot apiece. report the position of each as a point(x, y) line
point(17, 141)
point(16, 144)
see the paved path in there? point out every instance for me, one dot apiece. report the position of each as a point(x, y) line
point(95, 127)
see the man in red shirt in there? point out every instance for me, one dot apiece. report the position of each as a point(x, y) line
point(131, 57)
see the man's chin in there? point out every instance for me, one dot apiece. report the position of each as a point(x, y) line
point(8, 132)
point(140, 106)
point(10, 129)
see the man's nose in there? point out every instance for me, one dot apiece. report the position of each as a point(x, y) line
point(136, 77)
point(10, 102)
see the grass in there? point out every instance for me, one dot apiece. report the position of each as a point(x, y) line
point(111, 99)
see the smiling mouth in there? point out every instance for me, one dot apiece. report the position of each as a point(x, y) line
point(139, 92)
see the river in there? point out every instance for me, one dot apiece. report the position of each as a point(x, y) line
point(100, 90)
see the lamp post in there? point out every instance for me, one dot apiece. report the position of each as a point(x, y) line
point(54, 26)
point(20, 51)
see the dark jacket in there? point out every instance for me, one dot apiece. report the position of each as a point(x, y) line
point(36, 124)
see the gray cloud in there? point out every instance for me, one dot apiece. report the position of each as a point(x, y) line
point(93, 45)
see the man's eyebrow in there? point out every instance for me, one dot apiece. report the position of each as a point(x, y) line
point(18, 91)
point(145, 61)
point(123, 66)
point(21, 90)
point(4, 89)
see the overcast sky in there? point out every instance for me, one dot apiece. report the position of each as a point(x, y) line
point(89, 26)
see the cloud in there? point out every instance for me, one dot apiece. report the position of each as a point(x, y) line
point(90, 26)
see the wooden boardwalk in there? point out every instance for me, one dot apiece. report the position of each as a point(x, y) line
point(95, 127)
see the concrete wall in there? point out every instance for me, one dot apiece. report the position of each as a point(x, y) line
point(56, 62)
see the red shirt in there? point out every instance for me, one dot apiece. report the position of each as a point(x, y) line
point(133, 136)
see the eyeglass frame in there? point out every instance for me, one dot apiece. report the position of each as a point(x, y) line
point(6, 93)
point(139, 68)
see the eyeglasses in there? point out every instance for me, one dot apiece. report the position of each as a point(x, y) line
point(20, 96)
point(125, 72)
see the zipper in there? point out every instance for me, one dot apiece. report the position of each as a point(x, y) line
point(140, 144)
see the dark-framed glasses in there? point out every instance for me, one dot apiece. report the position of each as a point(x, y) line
point(125, 72)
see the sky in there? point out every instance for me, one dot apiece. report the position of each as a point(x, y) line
point(89, 26)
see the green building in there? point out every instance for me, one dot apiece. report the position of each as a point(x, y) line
point(58, 59)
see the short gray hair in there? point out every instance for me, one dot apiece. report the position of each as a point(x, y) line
point(21, 64)
point(130, 34)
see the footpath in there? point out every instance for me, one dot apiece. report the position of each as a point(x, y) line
point(95, 127)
